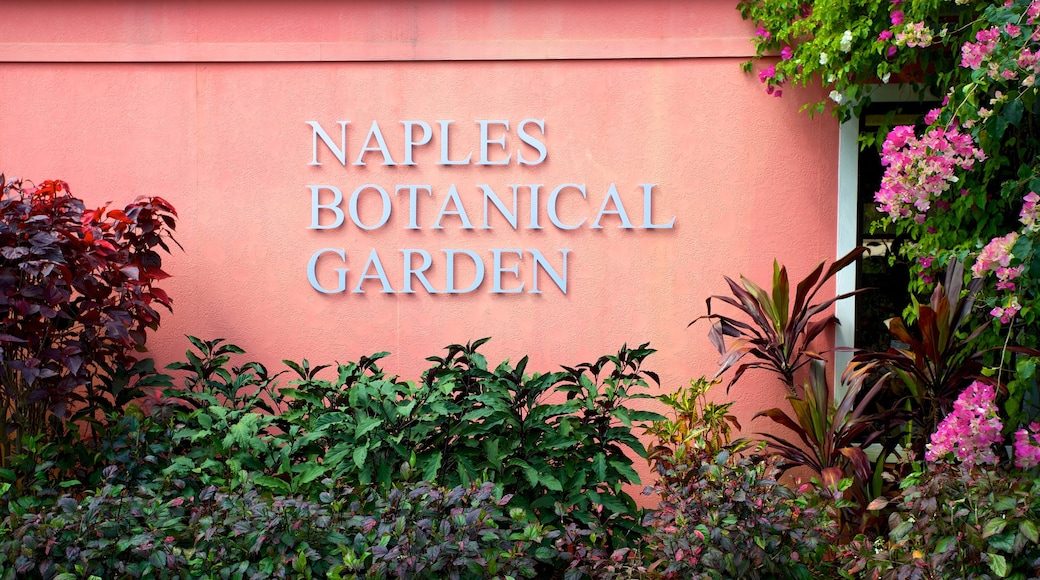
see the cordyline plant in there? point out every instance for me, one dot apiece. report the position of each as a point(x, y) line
point(779, 332)
point(77, 293)
point(832, 435)
point(937, 362)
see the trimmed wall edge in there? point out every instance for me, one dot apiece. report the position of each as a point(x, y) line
point(461, 50)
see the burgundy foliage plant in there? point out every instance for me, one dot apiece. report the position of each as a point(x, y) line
point(77, 295)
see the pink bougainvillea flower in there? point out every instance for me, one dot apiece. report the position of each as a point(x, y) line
point(786, 53)
point(885, 35)
point(973, 53)
point(897, 17)
point(970, 430)
point(1033, 11)
point(996, 255)
point(1030, 210)
point(762, 32)
point(767, 73)
point(1027, 447)
point(1006, 313)
point(921, 169)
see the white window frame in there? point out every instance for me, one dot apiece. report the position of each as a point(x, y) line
point(847, 222)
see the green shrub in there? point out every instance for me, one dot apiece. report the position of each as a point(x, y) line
point(232, 474)
point(558, 442)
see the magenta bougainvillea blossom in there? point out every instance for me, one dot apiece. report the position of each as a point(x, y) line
point(970, 430)
point(996, 257)
point(920, 169)
point(973, 53)
point(1027, 447)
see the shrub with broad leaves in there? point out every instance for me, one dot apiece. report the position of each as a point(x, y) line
point(413, 530)
point(78, 292)
point(733, 519)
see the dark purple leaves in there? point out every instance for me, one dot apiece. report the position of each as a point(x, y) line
point(773, 330)
point(75, 288)
point(13, 252)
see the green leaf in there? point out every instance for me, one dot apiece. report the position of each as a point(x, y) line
point(993, 527)
point(997, 126)
point(626, 471)
point(204, 419)
point(360, 455)
point(491, 449)
point(945, 544)
point(1028, 530)
point(645, 415)
point(550, 481)
point(365, 425)
point(1013, 112)
point(1025, 368)
point(272, 483)
point(599, 466)
point(998, 564)
point(336, 453)
point(432, 466)
point(900, 531)
point(1005, 503)
point(310, 471)
point(327, 419)
point(1004, 542)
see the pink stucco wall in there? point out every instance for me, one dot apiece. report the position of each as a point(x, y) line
point(205, 104)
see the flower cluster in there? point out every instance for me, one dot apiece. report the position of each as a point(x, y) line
point(996, 257)
point(918, 170)
point(845, 44)
point(1008, 311)
point(914, 35)
point(773, 83)
point(970, 430)
point(973, 53)
point(1027, 447)
point(1030, 210)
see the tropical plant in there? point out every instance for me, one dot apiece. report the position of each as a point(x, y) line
point(77, 295)
point(557, 442)
point(776, 332)
point(964, 185)
point(700, 430)
point(937, 362)
point(561, 444)
point(833, 436)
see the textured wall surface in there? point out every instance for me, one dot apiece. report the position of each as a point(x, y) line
point(205, 104)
